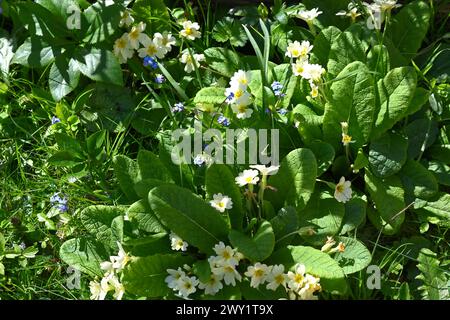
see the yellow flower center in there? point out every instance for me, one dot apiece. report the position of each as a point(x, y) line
point(298, 278)
point(134, 34)
point(300, 68)
point(229, 269)
point(259, 273)
point(187, 285)
point(121, 43)
point(242, 109)
point(226, 255)
point(248, 179)
point(151, 50)
point(180, 243)
point(238, 93)
point(221, 204)
point(295, 52)
point(340, 188)
point(279, 278)
point(188, 31)
point(243, 81)
point(346, 139)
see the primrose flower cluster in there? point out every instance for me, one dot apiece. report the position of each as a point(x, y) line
point(298, 284)
point(224, 264)
point(111, 278)
point(301, 67)
point(237, 95)
point(148, 48)
point(155, 47)
point(223, 268)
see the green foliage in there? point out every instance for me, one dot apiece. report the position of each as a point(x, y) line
point(188, 216)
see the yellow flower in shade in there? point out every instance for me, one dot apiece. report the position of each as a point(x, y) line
point(126, 18)
point(221, 202)
point(257, 273)
point(137, 36)
point(122, 48)
point(191, 61)
point(151, 49)
point(343, 191)
point(190, 30)
point(276, 277)
point(296, 49)
point(346, 139)
point(296, 278)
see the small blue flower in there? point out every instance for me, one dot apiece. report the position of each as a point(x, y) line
point(55, 120)
point(160, 79)
point(282, 111)
point(230, 97)
point(149, 61)
point(223, 121)
point(277, 88)
point(267, 111)
point(178, 107)
point(57, 202)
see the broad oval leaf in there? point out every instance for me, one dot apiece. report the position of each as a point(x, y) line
point(98, 221)
point(85, 255)
point(128, 174)
point(224, 61)
point(395, 92)
point(388, 154)
point(257, 248)
point(144, 276)
point(188, 216)
point(388, 196)
point(294, 182)
point(352, 101)
point(418, 181)
point(324, 154)
point(141, 212)
point(355, 257)
point(323, 214)
point(100, 65)
point(210, 95)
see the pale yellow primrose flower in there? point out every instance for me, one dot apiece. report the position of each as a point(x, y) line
point(240, 78)
point(122, 48)
point(258, 274)
point(151, 49)
point(177, 243)
point(165, 40)
point(309, 15)
point(296, 278)
point(247, 177)
point(191, 61)
point(136, 35)
point(126, 18)
point(265, 171)
point(190, 30)
point(187, 286)
point(213, 286)
point(276, 277)
point(346, 139)
point(242, 111)
point(221, 202)
point(343, 191)
point(310, 286)
point(296, 49)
